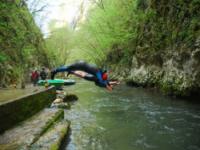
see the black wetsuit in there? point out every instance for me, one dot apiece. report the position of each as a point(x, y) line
point(94, 73)
point(90, 77)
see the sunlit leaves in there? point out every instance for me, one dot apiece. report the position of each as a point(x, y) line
point(59, 43)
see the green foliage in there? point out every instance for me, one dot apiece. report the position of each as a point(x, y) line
point(3, 57)
point(21, 42)
point(106, 27)
point(58, 44)
point(137, 27)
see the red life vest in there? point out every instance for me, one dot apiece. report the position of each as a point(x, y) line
point(104, 76)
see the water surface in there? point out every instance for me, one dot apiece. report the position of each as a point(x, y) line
point(131, 119)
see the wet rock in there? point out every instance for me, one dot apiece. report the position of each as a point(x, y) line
point(61, 105)
point(57, 100)
point(70, 98)
point(61, 94)
point(178, 74)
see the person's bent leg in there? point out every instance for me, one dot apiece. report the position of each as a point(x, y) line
point(83, 66)
point(90, 78)
point(60, 69)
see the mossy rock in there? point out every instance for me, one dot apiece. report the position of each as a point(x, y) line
point(62, 105)
point(70, 98)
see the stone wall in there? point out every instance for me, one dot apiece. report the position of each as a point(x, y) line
point(17, 110)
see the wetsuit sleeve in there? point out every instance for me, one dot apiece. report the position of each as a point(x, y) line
point(90, 78)
point(102, 84)
point(83, 66)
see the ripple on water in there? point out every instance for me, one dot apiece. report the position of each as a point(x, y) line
point(131, 119)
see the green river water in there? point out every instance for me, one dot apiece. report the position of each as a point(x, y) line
point(131, 119)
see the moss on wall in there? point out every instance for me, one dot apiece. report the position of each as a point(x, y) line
point(21, 42)
point(20, 109)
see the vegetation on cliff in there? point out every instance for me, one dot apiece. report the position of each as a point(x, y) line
point(150, 43)
point(146, 42)
point(21, 42)
point(140, 26)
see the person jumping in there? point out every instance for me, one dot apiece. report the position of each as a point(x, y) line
point(88, 72)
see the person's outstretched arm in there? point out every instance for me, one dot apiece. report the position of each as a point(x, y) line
point(114, 82)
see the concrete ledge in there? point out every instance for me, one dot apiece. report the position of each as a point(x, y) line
point(17, 110)
point(30, 131)
point(53, 138)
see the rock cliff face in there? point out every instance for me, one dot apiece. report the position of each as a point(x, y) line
point(166, 53)
point(178, 75)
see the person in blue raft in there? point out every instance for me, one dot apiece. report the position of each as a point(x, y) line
point(88, 72)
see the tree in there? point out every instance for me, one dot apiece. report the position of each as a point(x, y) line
point(59, 43)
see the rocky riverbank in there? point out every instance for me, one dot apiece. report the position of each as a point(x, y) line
point(164, 49)
point(173, 73)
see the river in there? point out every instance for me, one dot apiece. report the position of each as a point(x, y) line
point(131, 119)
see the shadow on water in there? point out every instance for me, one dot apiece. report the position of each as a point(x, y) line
point(67, 140)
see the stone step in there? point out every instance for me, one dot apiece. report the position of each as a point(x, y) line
point(29, 132)
point(52, 139)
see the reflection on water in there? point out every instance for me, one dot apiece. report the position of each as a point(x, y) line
point(131, 119)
